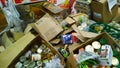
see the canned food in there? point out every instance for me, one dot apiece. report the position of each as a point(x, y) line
point(36, 57)
point(22, 58)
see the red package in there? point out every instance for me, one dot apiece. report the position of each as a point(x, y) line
point(18, 1)
point(3, 2)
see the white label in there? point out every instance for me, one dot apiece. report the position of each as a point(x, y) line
point(97, 15)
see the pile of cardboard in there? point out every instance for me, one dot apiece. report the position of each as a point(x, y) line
point(53, 26)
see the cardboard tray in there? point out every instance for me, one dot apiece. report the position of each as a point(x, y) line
point(71, 62)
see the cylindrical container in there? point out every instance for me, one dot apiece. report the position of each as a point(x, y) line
point(96, 44)
point(18, 65)
point(39, 63)
point(36, 57)
point(26, 63)
point(31, 64)
point(22, 58)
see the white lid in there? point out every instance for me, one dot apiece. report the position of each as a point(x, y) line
point(96, 44)
point(89, 48)
point(115, 61)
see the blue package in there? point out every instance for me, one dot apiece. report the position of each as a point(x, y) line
point(67, 39)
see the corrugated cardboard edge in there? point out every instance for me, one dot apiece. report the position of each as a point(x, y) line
point(13, 50)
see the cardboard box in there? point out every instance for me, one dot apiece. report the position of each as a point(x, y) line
point(71, 62)
point(52, 8)
point(74, 18)
point(82, 35)
point(117, 17)
point(47, 27)
point(83, 7)
point(21, 47)
point(100, 11)
point(7, 56)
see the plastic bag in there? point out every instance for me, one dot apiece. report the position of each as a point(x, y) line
point(12, 16)
point(54, 63)
point(84, 55)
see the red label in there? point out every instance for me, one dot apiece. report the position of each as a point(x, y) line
point(3, 2)
point(18, 1)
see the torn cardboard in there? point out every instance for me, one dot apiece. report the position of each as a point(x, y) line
point(79, 35)
point(17, 35)
point(7, 56)
point(84, 33)
point(53, 8)
point(47, 27)
point(2, 48)
point(69, 20)
point(5, 40)
point(55, 41)
point(28, 28)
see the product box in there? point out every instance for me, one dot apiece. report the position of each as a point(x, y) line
point(47, 27)
point(52, 8)
point(11, 56)
point(72, 63)
point(83, 7)
point(101, 13)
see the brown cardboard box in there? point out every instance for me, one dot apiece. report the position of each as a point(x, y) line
point(21, 47)
point(47, 27)
point(117, 17)
point(7, 56)
point(52, 8)
point(71, 62)
point(101, 12)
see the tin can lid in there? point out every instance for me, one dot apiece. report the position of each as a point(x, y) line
point(96, 44)
point(115, 61)
point(89, 48)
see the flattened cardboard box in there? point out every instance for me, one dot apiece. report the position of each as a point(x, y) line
point(71, 62)
point(47, 27)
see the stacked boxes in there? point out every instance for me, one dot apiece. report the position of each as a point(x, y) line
point(83, 7)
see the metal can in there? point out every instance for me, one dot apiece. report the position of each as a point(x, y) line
point(36, 57)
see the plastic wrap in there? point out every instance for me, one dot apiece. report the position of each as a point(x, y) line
point(54, 63)
point(12, 16)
